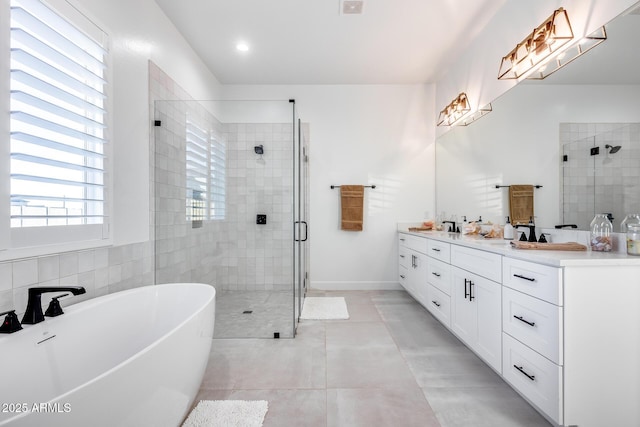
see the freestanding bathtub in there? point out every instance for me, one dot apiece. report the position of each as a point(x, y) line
point(132, 358)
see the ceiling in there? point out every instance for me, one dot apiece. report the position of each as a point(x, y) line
point(312, 42)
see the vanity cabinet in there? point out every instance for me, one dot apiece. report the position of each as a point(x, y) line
point(476, 303)
point(561, 328)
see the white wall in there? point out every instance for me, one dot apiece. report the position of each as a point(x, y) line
point(519, 143)
point(140, 32)
point(362, 134)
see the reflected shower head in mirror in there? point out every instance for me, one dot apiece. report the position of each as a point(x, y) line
point(613, 148)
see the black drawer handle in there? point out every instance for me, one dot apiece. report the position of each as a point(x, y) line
point(519, 368)
point(519, 276)
point(435, 249)
point(436, 303)
point(402, 240)
point(436, 274)
point(401, 256)
point(522, 320)
point(402, 276)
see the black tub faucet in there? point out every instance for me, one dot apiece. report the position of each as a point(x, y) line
point(452, 227)
point(34, 314)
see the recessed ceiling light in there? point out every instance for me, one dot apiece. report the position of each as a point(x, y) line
point(351, 7)
point(242, 47)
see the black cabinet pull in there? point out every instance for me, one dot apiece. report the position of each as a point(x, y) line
point(519, 368)
point(436, 303)
point(436, 274)
point(471, 297)
point(401, 256)
point(414, 264)
point(402, 276)
point(524, 321)
point(519, 276)
point(402, 240)
point(466, 294)
point(435, 249)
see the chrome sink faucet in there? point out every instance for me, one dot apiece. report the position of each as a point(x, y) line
point(33, 313)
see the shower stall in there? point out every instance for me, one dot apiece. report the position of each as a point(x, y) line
point(230, 182)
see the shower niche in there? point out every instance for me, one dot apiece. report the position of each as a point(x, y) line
point(600, 171)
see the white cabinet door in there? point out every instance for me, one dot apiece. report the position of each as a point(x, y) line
point(464, 313)
point(476, 306)
point(418, 277)
point(488, 296)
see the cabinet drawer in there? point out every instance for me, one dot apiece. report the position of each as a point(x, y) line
point(538, 379)
point(439, 304)
point(439, 275)
point(402, 277)
point(415, 243)
point(486, 264)
point(439, 250)
point(533, 322)
point(404, 256)
point(540, 281)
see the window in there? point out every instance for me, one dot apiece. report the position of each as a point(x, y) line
point(58, 124)
point(205, 168)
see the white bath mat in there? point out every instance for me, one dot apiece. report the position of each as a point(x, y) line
point(227, 413)
point(324, 308)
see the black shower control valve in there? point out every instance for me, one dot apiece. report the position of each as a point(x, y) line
point(261, 219)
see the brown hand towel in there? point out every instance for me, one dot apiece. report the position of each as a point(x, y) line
point(352, 204)
point(520, 203)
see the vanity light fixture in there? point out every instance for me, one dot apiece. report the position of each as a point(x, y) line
point(458, 112)
point(546, 40)
point(578, 49)
point(242, 47)
point(457, 109)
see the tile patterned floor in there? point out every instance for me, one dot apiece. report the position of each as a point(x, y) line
point(390, 364)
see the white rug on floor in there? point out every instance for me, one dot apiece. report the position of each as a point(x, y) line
point(324, 308)
point(227, 413)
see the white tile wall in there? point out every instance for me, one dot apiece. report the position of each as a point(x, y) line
point(235, 253)
point(605, 182)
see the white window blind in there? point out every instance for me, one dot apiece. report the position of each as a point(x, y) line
point(58, 120)
point(217, 178)
point(206, 171)
point(197, 167)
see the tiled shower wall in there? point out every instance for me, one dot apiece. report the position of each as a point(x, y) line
point(258, 257)
point(602, 183)
point(234, 253)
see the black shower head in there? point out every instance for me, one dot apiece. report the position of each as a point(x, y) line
point(259, 149)
point(613, 149)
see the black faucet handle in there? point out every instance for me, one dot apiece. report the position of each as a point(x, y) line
point(11, 323)
point(54, 308)
point(543, 238)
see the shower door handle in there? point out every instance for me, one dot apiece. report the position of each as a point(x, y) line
point(306, 231)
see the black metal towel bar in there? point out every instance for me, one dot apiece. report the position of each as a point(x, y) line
point(507, 186)
point(365, 186)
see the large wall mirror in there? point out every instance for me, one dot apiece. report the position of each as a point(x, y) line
point(583, 111)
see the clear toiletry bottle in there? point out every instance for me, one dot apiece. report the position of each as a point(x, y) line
point(629, 219)
point(633, 239)
point(601, 229)
point(508, 230)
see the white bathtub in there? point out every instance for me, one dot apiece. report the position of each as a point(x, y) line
point(132, 358)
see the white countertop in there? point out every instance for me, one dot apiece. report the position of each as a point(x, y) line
point(552, 258)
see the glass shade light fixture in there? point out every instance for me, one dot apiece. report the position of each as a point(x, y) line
point(547, 39)
point(458, 112)
point(566, 56)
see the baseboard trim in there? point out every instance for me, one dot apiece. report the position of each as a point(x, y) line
point(356, 286)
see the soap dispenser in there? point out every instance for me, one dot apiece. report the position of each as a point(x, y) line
point(508, 230)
